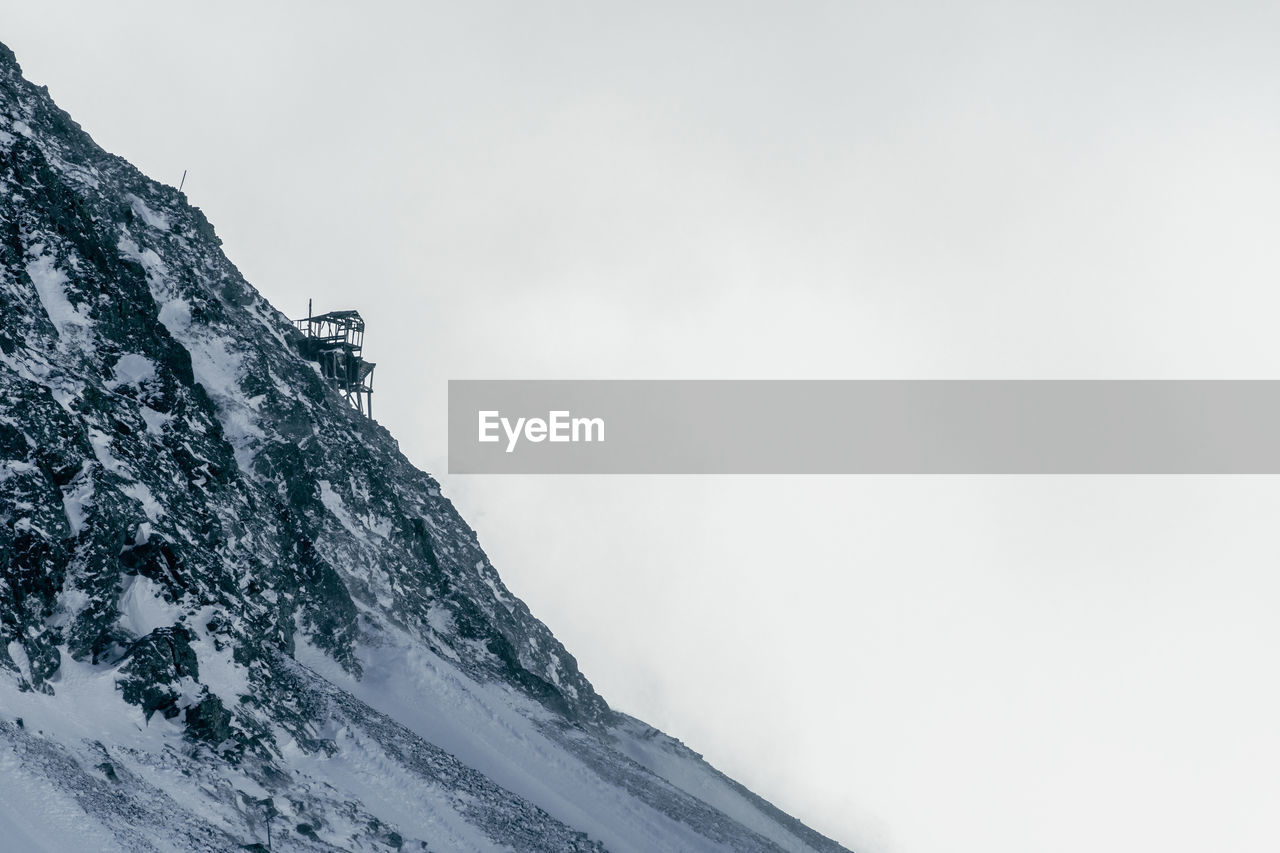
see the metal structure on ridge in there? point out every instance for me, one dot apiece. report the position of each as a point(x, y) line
point(335, 341)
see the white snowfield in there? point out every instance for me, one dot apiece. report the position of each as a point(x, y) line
point(54, 765)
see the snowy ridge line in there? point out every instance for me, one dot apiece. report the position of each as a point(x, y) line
point(565, 770)
point(524, 822)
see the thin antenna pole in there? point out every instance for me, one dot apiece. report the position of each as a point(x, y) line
point(308, 309)
point(183, 181)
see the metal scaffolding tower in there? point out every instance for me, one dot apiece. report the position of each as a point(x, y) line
point(335, 341)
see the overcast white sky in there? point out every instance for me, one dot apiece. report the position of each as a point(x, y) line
point(807, 190)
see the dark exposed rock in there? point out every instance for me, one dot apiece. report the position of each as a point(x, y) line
point(154, 668)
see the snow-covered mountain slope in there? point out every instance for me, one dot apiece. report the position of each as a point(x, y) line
point(231, 612)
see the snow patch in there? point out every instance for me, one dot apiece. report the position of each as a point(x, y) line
point(131, 369)
point(156, 220)
point(154, 420)
point(18, 654)
point(143, 495)
point(143, 608)
point(333, 502)
point(440, 620)
point(77, 497)
point(175, 314)
point(218, 670)
point(10, 467)
point(51, 286)
point(102, 449)
point(70, 602)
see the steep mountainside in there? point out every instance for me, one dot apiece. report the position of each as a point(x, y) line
point(231, 612)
